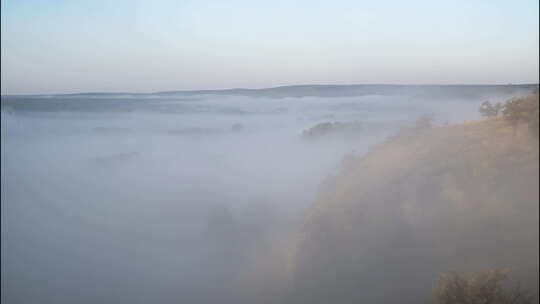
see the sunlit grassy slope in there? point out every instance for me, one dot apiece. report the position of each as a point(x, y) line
point(460, 197)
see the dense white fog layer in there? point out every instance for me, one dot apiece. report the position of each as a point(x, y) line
point(166, 200)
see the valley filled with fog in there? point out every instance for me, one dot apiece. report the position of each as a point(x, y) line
point(170, 198)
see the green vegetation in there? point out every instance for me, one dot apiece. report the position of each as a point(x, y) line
point(520, 110)
point(485, 287)
point(523, 110)
point(490, 110)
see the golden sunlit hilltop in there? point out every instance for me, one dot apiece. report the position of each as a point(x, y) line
point(457, 198)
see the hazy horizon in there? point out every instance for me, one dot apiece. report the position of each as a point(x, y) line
point(279, 86)
point(99, 46)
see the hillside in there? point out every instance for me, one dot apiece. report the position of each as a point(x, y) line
point(461, 197)
point(340, 90)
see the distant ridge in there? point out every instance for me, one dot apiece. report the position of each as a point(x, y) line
point(320, 91)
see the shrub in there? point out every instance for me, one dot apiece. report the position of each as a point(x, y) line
point(478, 288)
point(523, 110)
point(487, 109)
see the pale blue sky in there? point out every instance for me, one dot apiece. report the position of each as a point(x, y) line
point(119, 45)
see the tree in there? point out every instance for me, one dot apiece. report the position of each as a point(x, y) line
point(487, 109)
point(523, 110)
point(486, 287)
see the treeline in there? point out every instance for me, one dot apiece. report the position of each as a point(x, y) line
point(520, 110)
point(485, 287)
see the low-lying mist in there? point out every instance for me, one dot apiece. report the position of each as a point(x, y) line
point(172, 200)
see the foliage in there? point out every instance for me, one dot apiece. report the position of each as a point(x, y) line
point(523, 110)
point(478, 288)
point(464, 195)
point(487, 109)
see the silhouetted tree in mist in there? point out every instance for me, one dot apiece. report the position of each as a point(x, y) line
point(487, 109)
point(523, 110)
point(486, 287)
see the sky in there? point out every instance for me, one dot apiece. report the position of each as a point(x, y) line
point(62, 46)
